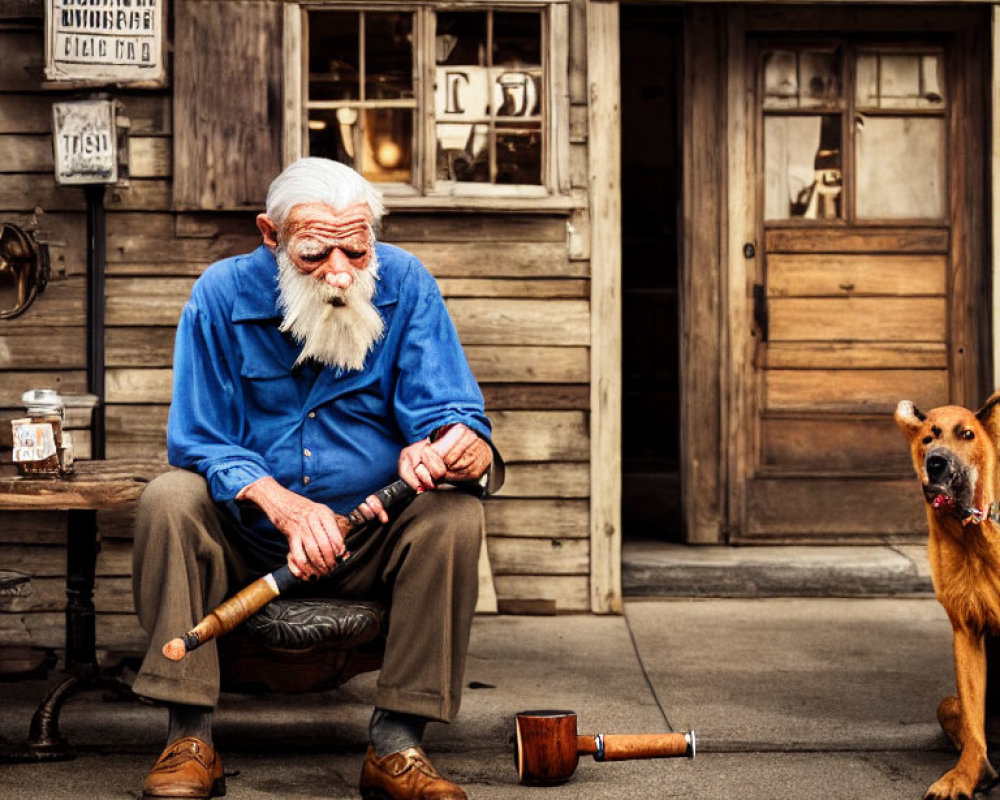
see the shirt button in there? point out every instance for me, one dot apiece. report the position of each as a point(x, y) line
point(305, 480)
point(312, 415)
point(307, 452)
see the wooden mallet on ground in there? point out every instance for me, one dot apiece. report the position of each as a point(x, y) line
point(547, 747)
point(262, 591)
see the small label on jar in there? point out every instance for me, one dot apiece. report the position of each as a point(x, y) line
point(33, 441)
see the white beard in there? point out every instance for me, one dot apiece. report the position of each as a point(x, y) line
point(337, 327)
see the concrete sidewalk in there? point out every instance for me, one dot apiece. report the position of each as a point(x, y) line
point(790, 697)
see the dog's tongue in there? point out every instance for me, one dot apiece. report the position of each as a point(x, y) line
point(942, 501)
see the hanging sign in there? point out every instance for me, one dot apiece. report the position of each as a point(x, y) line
point(104, 41)
point(85, 142)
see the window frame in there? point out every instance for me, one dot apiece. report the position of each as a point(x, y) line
point(425, 190)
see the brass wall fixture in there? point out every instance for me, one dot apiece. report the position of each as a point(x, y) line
point(24, 270)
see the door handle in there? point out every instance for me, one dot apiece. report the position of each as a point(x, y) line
point(760, 309)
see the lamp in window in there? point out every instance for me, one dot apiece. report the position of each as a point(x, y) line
point(24, 270)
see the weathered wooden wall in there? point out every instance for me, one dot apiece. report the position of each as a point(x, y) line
point(517, 285)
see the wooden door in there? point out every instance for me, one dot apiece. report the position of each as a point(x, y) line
point(868, 284)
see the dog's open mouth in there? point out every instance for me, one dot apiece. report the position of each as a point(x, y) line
point(943, 502)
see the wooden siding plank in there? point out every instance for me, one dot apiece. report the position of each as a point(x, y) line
point(862, 391)
point(444, 227)
point(21, 61)
point(880, 319)
point(522, 556)
point(549, 479)
point(139, 347)
point(17, 382)
point(568, 592)
point(538, 396)
point(866, 240)
point(541, 518)
point(34, 347)
point(227, 143)
point(849, 355)
point(521, 322)
point(47, 629)
point(834, 445)
point(541, 435)
point(483, 259)
point(835, 508)
point(498, 363)
point(798, 275)
point(514, 288)
point(146, 301)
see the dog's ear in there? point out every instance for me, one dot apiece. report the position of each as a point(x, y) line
point(989, 415)
point(908, 417)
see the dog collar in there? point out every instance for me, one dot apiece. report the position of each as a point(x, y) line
point(977, 516)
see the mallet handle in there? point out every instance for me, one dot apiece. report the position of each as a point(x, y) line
point(618, 747)
point(253, 597)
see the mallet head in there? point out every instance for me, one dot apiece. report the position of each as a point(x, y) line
point(545, 747)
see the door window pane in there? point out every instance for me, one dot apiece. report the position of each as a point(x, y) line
point(900, 167)
point(803, 78)
point(900, 80)
point(803, 177)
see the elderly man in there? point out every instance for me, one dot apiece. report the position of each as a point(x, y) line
point(307, 374)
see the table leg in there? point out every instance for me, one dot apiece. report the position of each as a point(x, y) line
point(44, 742)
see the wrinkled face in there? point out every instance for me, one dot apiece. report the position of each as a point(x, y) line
point(953, 454)
point(324, 243)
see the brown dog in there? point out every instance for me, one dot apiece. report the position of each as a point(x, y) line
point(955, 455)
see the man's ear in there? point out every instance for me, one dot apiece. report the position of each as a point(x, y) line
point(908, 417)
point(268, 230)
point(989, 415)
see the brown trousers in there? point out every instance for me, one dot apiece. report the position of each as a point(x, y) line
point(185, 561)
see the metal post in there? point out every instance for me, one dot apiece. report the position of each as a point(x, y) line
point(96, 260)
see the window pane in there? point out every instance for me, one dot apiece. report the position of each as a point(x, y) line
point(388, 56)
point(781, 79)
point(517, 93)
point(517, 39)
point(901, 167)
point(388, 145)
point(900, 80)
point(463, 152)
point(803, 168)
point(801, 79)
point(461, 38)
point(519, 154)
point(334, 134)
point(334, 49)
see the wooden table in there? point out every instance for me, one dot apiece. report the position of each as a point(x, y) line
point(93, 487)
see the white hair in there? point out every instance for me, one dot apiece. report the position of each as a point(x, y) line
point(320, 180)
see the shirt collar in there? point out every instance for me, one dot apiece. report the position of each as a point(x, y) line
point(257, 292)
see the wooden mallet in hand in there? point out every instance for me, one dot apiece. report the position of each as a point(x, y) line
point(262, 591)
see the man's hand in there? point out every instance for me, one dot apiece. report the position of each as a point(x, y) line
point(314, 532)
point(459, 455)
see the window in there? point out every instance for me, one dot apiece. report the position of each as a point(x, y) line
point(448, 100)
point(854, 133)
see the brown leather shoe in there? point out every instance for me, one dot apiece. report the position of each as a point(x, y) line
point(406, 775)
point(188, 767)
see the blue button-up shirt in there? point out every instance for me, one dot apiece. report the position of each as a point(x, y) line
point(241, 410)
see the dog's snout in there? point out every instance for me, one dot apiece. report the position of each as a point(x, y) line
point(938, 466)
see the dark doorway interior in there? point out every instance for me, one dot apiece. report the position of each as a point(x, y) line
point(650, 53)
